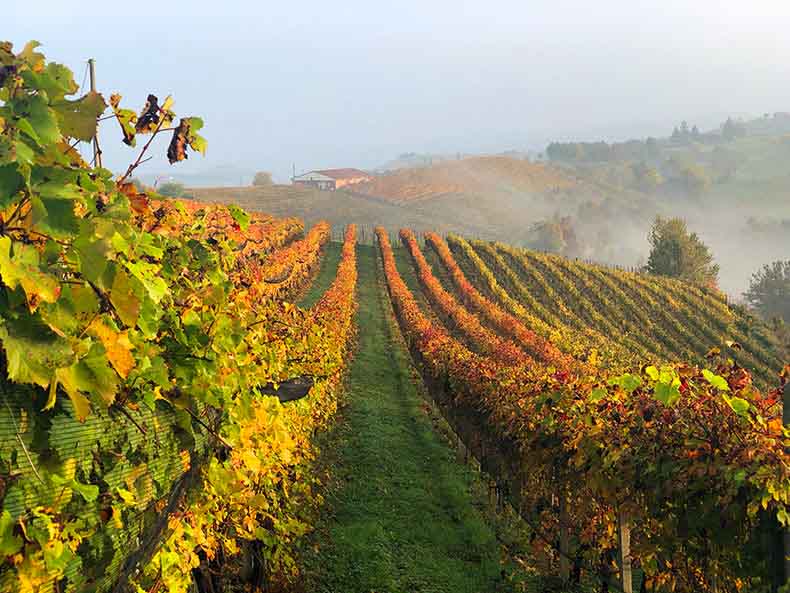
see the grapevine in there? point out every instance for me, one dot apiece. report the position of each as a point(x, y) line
point(141, 442)
point(643, 440)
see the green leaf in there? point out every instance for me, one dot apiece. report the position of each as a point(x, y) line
point(146, 245)
point(94, 255)
point(598, 394)
point(73, 311)
point(43, 121)
point(78, 118)
point(10, 183)
point(33, 351)
point(739, 405)
point(9, 543)
point(717, 381)
point(627, 382)
point(58, 81)
point(88, 491)
point(240, 216)
point(22, 269)
point(667, 394)
point(67, 378)
point(95, 375)
point(148, 274)
point(24, 154)
point(652, 372)
point(54, 217)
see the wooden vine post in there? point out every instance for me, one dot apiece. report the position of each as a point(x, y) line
point(786, 535)
point(565, 556)
point(624, 550)
point(97, 162)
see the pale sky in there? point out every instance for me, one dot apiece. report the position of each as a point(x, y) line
point(352, 83)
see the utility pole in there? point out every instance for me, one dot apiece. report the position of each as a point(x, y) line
point(96, 149)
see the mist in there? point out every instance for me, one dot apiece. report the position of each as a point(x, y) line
point(333, 84)
point(308, 85)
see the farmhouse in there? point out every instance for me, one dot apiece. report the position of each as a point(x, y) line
point(331, 179)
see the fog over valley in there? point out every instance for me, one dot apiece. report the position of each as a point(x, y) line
point(307, 86)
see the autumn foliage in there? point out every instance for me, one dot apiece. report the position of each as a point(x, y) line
point(694, 456)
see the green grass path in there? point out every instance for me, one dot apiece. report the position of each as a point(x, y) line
point(399, 514)
point(326, 275)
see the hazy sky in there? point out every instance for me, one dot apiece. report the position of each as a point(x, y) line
point(329, 83)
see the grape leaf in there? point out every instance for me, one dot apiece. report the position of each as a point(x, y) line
point(126, 295)
point(628, 382)
point(148, 274)
point(739, 405)
point(10, 183)
point(126, 118)
point(33, 351)
point(22, 269)
point(24, 154)
point(240, 216)
point(652, 372)
point(184, 135)
point(67, 378)
point(117, 346)
point(78, 119)
point(42, 120)
point(598, 394)
point(9, 543)
point(667, 393)
point(717, 381)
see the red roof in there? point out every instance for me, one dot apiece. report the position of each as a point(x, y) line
point(343, 173)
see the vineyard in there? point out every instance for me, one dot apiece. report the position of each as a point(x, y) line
point(172, 371)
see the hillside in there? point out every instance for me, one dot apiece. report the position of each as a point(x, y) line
point(651, 317)
point(494, 198)
point(590, 385)
point(473, 175)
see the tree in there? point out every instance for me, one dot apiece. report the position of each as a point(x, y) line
point(647, 179)
point(725, 163)
point(172, 189)
point(653, 150)
point(730, 129)
point(262, 179)
point(679, 254)
point(769, 291)
point(555, 235)
point(694, 180)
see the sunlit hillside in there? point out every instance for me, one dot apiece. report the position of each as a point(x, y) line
point(474, 175)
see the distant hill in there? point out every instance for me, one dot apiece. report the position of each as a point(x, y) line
point(491, 197)
point(473, 175)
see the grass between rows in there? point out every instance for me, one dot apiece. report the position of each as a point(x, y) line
point(325, 276)
point(400, 513)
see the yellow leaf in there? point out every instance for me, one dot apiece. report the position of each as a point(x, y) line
point(53, 391)
point(126, 495)
point(251, 461)
point(117, 345)
point(82, 407)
